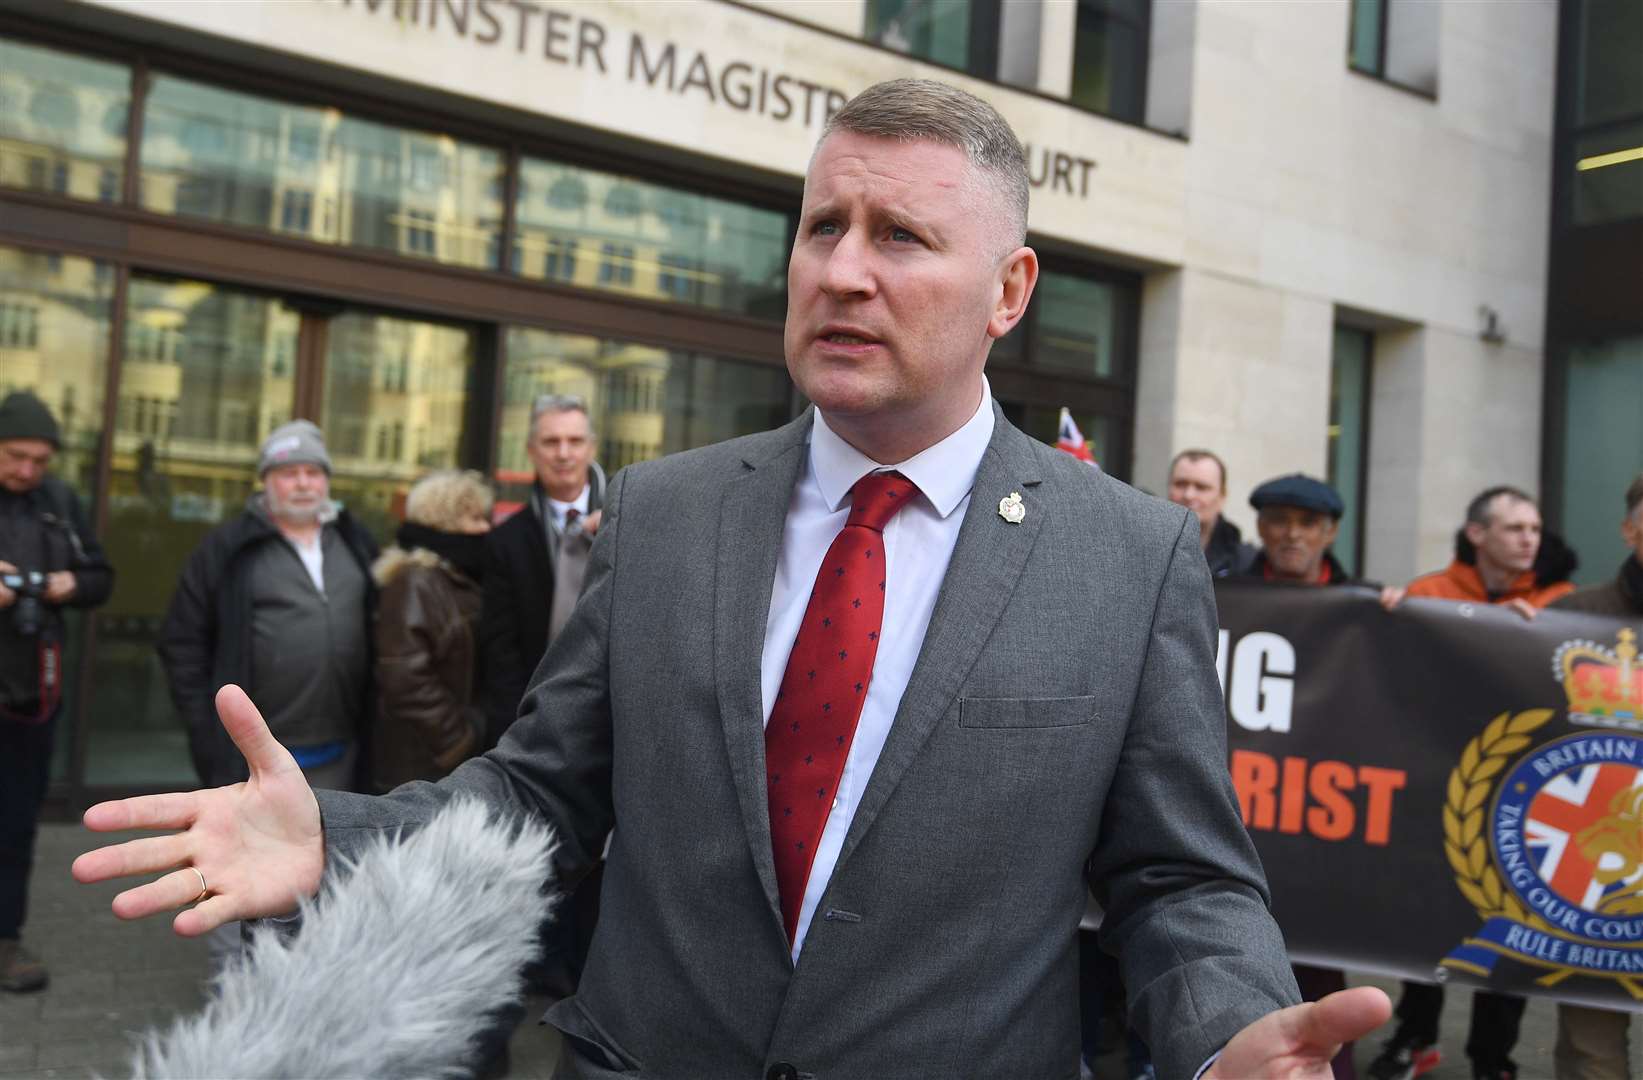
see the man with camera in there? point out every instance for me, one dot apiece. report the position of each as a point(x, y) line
point(48, 559)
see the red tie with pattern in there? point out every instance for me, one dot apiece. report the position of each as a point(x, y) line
point(814, 718)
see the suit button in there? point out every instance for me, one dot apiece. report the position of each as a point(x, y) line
point(782, 1070)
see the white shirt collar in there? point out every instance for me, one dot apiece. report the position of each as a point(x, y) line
point(579, 504)
point(945, 472)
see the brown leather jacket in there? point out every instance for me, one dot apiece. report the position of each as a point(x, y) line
point(427, 722)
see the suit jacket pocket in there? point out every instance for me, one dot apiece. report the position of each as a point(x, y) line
point(1025, 712)
point(592, 1044)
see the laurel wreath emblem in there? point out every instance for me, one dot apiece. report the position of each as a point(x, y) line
point(1465, 839)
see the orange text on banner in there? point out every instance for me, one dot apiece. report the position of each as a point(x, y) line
point(1326, 799)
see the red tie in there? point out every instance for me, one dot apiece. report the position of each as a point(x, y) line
point(814, 718)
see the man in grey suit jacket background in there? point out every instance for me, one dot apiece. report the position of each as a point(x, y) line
point(863, 764)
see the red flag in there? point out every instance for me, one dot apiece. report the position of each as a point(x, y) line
point(1070, 439)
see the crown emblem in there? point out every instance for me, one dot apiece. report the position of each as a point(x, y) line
point(1604, 686)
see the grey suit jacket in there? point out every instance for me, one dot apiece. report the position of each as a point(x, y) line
point(1063, 727)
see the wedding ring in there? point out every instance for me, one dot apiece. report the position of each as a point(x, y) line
point(204, 889)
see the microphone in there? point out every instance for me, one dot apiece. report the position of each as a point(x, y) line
point(398, 966)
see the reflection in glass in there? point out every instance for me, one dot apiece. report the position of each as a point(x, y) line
point(1364, 51)
point(54, 329)
point(644, 401)
point(936, 30)
point(1609, 175)
point(1347, 439)
point(62, 122)
point(208, 373)
point(602, 231)
point(396, 394)
point(1077, 324)
point(1602, 449)
point(1109, 58)
point(317, 173)
point(1610, 80)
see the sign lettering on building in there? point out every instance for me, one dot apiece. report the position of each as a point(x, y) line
point(591, 46)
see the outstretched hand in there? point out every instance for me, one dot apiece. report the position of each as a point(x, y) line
point(257, 845)
point(1297, 1043)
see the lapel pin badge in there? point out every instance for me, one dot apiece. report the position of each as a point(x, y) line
point(1010, 508)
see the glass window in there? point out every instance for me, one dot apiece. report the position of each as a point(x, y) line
point(644, 401)
point(1348, 437)
point(183, 463)
point(1110, 57)
point(1078, 323)
point(231, 157)
point(1396, 40)
point(1609, 174)
point(1610, 83)
point(396, 405)
point(1364, 51)
point(1604, 444)
point(936, 30)
point(648, 240)
point(62, 122)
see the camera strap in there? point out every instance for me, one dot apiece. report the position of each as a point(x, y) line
point(51, 686)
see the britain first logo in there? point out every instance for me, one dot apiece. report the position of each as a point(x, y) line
point(1548, 844)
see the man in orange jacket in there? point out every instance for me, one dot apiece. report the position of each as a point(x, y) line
point(1494, 558)
point(1494, 564)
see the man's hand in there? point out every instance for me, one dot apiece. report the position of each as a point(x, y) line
point(1522, 607)
point(1296, 1043)
point(60, 586)
point(1392, 596)
point(590, 522)
point(258, 844)
point(7, 597)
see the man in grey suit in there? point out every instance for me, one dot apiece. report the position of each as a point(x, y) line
point(863, 761)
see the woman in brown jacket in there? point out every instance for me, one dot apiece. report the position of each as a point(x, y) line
point(427, 662)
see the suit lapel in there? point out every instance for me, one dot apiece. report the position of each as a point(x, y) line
point(987, 562)
point(751, 520)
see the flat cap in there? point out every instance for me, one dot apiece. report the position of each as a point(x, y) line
point(1300, 490)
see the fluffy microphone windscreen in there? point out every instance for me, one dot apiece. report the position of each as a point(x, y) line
point(397, 966)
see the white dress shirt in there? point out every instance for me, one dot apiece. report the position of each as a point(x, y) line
point(918, 544)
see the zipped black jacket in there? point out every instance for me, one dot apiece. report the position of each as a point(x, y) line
point(45, 529)
point(205, 641)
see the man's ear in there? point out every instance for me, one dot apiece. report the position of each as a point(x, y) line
point(1475, 533)
point(1018, 274)
point(1334, 530)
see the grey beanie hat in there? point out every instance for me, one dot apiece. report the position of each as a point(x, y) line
point(24, 416)
point(296, 443)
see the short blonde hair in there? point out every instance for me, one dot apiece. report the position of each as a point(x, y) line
point(443, 498)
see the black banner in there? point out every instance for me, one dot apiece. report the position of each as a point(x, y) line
point(1446, 791)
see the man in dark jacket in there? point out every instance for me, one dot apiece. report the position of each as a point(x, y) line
point(48, 560)
point(1198, 481)
point(524, 605)
point(1297, 518)
point(1593, 1042)
point(278, 599)
point(533, 574)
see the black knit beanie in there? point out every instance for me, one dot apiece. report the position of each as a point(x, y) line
point(24, 416)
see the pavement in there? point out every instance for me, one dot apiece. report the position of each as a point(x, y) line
point(110, 981)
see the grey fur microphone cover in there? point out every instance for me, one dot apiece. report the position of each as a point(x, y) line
point(395, 970)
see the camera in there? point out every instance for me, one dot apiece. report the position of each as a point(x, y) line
point(30, 587)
